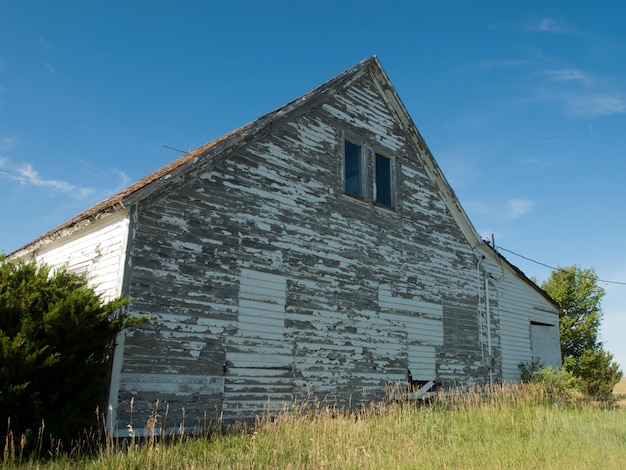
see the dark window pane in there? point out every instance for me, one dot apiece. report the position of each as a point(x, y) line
point(352, 168)
point(383, 180)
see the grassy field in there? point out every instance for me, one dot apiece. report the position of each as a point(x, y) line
point(516, 427)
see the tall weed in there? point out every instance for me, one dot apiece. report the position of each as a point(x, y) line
point(511, 426)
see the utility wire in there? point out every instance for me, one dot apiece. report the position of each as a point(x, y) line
point(552, 267)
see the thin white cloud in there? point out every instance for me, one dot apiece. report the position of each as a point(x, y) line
point(580, 93)
point(592, 103)
point(551, 25)
point(577, 92)
point(567, 75)
point(510, 210)
point(25, 174)
point(49, 67)
point(515, 208)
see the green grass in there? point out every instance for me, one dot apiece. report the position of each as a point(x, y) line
point(516, 427)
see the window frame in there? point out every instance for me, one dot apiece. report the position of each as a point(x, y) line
point(392, 179)
point(362, 165)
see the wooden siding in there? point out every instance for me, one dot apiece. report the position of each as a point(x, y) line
point(269, 286)
point(421, 322)
point(363, 287)
point(515, 305)
point(259, 359)
point(97, 251)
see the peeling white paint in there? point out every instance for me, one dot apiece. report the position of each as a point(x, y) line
point(265, 280)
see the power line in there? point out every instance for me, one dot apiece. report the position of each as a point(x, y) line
point(553, 268)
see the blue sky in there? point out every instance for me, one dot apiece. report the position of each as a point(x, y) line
point(523, 105)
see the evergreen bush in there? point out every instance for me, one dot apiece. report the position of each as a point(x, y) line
point(56, 339)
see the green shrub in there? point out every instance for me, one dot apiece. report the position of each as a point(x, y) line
point(556, 384)
point(595, 379)
point(56, 337)
point(579, 295)
point(530, 369)
point(598, 373)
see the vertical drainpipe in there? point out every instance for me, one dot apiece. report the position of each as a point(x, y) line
point(479, 308)
point(489, 351)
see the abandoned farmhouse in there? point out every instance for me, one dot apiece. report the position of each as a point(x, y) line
point(317, 251)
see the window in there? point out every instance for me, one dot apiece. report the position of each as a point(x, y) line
point(353, 168)
point(382, 180)
point(368, 174)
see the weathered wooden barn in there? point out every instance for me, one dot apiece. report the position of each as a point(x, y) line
point(317, 251)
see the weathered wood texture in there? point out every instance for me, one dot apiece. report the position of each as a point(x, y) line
point(97, 251)
point(268, 285)
point(519, 306)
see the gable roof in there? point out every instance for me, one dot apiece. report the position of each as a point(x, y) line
point(190, 160)
point(161, 177)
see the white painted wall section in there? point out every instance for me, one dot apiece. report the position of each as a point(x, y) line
point(258, 356)
point(515, 305)
point(423, 324)
point(97, 250)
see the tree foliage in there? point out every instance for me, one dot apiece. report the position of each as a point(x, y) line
point(578, 293)
point(56, 336)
